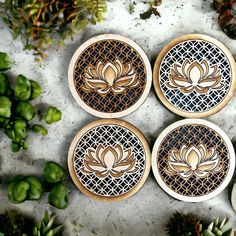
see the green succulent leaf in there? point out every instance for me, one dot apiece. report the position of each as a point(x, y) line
point(53, 115)
point(4, 85)
point(36, 188)
point(25, 110)
point(18, 190)
point(5, 107)
point(39, 129)
point(20, 128)
point(10, 133)
point(15, 147)
point(3, 122)
point(208, 233)
point(59, 197)
point(47, 226)
point(22, 89)
point(35, 90)
point(5, 61)
point(218, 228)
point(53, 172)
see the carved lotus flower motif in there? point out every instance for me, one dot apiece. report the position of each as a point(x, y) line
point(107, 77)
point(198, 76)
point(114, 161)
point(193, 161)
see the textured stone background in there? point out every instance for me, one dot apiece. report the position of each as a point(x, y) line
point(147, 211)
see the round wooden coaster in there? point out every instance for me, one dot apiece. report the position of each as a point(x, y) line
point(110, 76)
point(193, 160)
point(195, 76)
point(109, 160)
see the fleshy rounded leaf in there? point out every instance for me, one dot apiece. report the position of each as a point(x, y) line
point(35, 90)
point(5, 107)
point(36, 188)
point(53, 172)
point(59, 197)
point(5, 61)
point(4, 85)
point(39, 129)
point(25, 110)
point(17, 190)
point(22, 89)
point(53, 115)
point(20, 128)
point(15, 147)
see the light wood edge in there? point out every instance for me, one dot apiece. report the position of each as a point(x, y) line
point(223, 185)
point(156, 76)
point(147, 67)
point(118, 122)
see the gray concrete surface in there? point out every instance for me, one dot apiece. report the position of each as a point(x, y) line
point(147, 212)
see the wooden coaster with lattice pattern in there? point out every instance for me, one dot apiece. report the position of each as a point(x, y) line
point(195, 76)
point(193, 160)
point(109, 160)
point(110, 76)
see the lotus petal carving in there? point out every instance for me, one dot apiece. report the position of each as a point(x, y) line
point(104, 161)
point(198, 76)
point(110, 76)
point(194, 160)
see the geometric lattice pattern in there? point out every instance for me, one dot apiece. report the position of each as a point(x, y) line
point(195, 50)
point(110, 51)
point(109, 135)
point(193, 135)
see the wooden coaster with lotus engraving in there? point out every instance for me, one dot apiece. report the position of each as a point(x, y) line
point(195, 76)
point(109, 160)
point(110, 76)
point(193, 160)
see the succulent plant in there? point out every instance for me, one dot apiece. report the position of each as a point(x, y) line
point(190, 225)
point(36, 21)
point(227, 16)
point(12, 223)
point(218, 228)
point(24, 188)
point(16, 110)
point(184, 225)
point(47, 226)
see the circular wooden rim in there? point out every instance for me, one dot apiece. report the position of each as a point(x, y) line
point(118, 122)
point(231, 160)
point(146, 62)
point(156, 76)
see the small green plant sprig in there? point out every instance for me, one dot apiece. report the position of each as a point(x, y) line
point(37, 21)
point(153, 4)
point(16, 110)
point(23, 188)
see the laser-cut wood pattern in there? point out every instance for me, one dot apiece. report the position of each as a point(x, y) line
point(193, 160)
point(109, 160)
point(195, 76)
point(110, 76)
